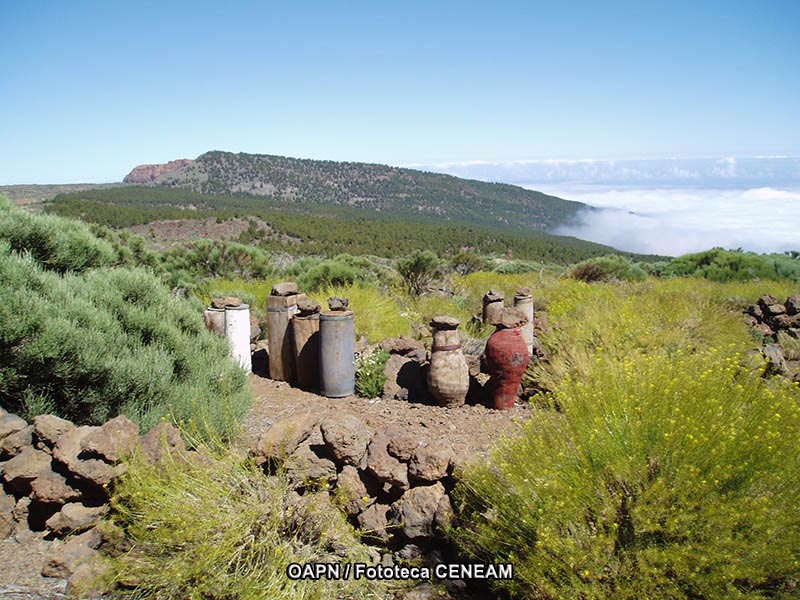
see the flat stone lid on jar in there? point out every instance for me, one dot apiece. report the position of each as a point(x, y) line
point(445, 322)
point(308, 307)
point(493, 295)
point(510, 317)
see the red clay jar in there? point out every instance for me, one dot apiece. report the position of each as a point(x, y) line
point(507, 357)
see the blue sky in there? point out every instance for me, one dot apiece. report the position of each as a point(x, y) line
point(90, 89)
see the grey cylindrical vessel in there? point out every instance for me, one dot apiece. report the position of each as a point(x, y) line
point(306, 349)
point(337, 341)
point(214, 318)
point(280, 310)
point(523, 300)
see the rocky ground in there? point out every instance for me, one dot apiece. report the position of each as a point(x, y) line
point(470, 429)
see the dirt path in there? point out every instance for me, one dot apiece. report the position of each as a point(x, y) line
point(22, 557)
point(470, 429)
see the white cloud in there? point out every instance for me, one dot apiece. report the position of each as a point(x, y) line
point(724, 171)
point(675, 221)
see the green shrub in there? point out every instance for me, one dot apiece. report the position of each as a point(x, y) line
point(189, 263)
point(517, 267)
point(466, 262)
point(418, 270)
point(666, 476)
point(729, 265)
point(370, 375)
point(105, 342)
point(327, 273)
point(219, 528)
point(57, 244)
point(588, 272)
point(604, 268)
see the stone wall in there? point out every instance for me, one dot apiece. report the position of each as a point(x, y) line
point(56, 478)
point(779, 325)
point(394, 488)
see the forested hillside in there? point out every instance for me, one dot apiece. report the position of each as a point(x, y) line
point(325, 230)
point(400, 191)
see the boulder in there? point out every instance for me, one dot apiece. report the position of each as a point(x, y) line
point(765, 330)
point(765, 301)
point(773, 310)
point(789, 345)
point(385, 467)
point(346, 437)
point(786, 321)
point(75, 517)
point(401, 443)
point(88, 580)
point(53, 488)
point(26, 466)
point(22, 510)
point(353, 491)
point(114, 440)
point(304, 464)
point(405, 346)
point(755, 311)
point(431, 463)
point(11, 424)
point(162, 439)
point(406, 379)
point(415, 511)
point(65, 559)
point(793, 305)
point(776, 362)
point(443, 518)
point(13, 443)
point(285, 436)
point(68, 446)
point(373, 522)
point(68, 452)
point(49, 428)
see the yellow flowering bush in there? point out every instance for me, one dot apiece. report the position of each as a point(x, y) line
point(666, 475)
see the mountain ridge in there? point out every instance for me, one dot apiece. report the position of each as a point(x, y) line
point(363, 185)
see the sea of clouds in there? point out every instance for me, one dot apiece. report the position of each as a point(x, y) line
point(666, 206)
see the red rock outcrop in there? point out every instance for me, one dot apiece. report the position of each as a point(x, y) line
point(149, 173)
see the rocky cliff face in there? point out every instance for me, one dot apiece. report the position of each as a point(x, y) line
point(150, 173)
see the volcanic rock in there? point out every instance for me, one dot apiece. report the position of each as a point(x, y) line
point(347, 438)
point(416, 510)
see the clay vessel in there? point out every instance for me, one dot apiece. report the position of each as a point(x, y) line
point(448, 374)
point(507, 357)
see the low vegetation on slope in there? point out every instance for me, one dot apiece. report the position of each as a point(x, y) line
point(220, 528)
point(91, 343)
point(663, 466)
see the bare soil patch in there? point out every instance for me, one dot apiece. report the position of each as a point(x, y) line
point(472, 430)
